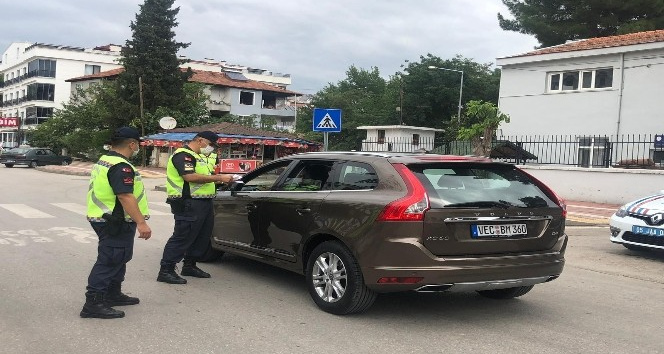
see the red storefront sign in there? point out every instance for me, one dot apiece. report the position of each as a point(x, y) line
point(9, 122)
point(238, 166)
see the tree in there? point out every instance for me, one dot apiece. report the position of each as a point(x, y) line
point(431, 96)
point(362, 98)
point(554, 22)
point(83, 125)
point(483, 118)
point(151, 54)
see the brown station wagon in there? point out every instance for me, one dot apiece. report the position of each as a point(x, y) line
point(357, 224)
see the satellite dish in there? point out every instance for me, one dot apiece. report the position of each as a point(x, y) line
point(168, 123)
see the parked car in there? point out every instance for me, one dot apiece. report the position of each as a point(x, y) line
point(639, 225)
point(32, 157)
point(357, 224)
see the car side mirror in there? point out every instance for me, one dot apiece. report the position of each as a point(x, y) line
point(236, 186)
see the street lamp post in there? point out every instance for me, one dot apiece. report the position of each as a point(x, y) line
point(460, 88)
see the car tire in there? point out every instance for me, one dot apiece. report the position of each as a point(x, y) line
point(356, 297)
point(65, 163)
point(32, 164)
point(10, 165)
point(508, 293)
point(211, 255)
point(635, 248)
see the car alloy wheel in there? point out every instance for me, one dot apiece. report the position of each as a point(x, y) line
point(329, 277)
point(65, 163)
point(33, 164)
point(335, 281)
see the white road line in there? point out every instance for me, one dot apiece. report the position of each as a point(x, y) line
point(589, 215)
point(160, 204)
point(25, 211)
point(158, 213)
point(73, 207)
point(589, 207)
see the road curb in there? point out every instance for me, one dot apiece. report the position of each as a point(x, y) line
point(62, 171)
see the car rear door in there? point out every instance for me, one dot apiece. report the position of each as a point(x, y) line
point(486, 208)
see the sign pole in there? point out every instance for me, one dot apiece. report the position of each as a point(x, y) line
point(325, 137)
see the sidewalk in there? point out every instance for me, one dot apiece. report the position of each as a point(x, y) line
point(80, 168)
point(578, 213)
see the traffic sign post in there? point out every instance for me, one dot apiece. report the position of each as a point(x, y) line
point(326, 121)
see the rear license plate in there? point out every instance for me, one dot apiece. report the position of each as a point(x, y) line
point(650, 231)
point(505, 230)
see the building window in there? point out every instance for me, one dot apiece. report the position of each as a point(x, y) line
point(92, 69)
point(416, 139)
point(381, 136)
point(41, 92)
point(41, 67)
point(581, 80)
point(38, 115)
point(247, 98)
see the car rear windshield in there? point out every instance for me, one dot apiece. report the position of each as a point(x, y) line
point(479, 185)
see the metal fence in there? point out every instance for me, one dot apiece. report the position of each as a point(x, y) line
point(637, 150)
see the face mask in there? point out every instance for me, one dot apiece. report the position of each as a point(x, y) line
point(135, 152)
point(207, 150)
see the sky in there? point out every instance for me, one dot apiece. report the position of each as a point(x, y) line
point(315, 41)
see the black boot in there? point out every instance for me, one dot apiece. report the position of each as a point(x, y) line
point(189, 269)
point(115, 297)
point(96, 307)
point(168, 275)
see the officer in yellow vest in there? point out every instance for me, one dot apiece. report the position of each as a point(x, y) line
point(211, 160)
point(191, 187)
point(117, 207)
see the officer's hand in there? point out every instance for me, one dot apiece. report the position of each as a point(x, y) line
point(144, 230)
point(224, 178)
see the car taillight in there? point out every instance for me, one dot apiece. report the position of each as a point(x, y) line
point(412, 206)
point(549, 193)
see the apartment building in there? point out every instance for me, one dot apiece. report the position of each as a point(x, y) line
point(33, 82)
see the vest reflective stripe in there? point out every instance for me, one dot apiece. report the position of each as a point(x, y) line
point(175, 182)
point(102, 200)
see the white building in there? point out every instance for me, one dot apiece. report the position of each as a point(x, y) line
point(598, 86)
point(34, 83)
point(230, 93)
point(398, 138)
point(600, 96)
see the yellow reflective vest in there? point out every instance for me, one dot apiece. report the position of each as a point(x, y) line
point(101, 199)
point(175, 183)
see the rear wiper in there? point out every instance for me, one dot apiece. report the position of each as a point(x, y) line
point(482, 204)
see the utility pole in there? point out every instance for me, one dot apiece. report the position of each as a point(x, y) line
point(140, 96)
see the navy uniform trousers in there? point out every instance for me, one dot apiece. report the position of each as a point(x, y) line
point(113, 253)
point(192, 231)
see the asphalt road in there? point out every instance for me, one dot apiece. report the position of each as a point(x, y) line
point(608, 299)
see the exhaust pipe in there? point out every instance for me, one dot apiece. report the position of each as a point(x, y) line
point(434, 288)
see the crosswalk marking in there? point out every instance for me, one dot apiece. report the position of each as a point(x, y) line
point(25, 211)
point(73, 207)
point(28, 212)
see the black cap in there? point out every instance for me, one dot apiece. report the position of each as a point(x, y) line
point(209, 136)
point(126, 133)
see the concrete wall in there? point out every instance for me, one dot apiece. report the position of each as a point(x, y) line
point(602, 185)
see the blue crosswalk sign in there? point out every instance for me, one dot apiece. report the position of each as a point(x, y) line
point(327, 120)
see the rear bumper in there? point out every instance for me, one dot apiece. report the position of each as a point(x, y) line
point(14, 162)
point(479, 272)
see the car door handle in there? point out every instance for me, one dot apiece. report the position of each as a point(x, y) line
point(251, 207)
point(303, 211)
